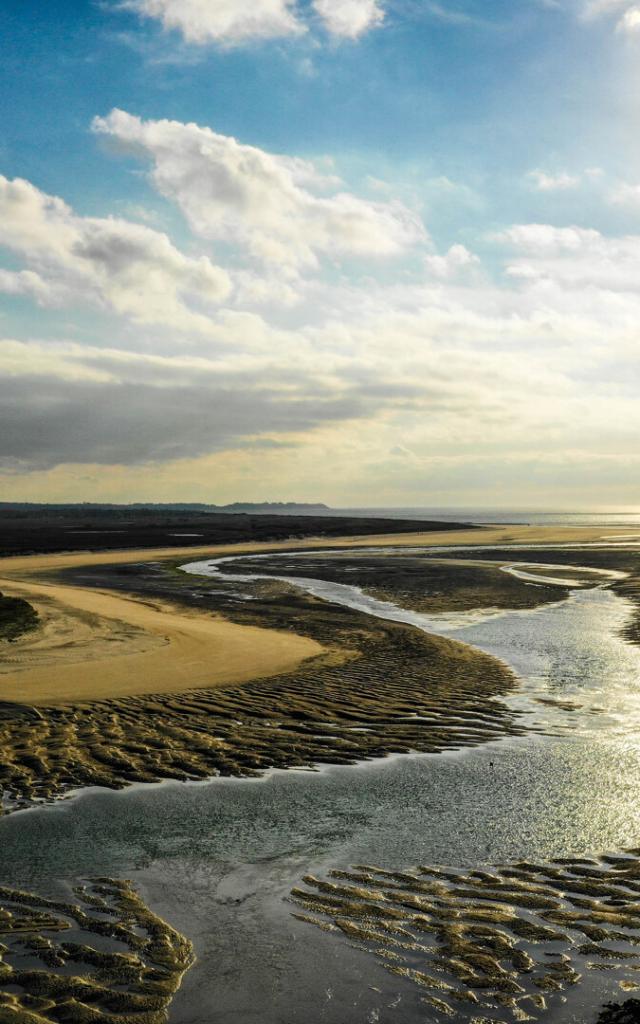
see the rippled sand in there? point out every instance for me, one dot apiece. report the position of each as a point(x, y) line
point(100, 955)
point(512, 936)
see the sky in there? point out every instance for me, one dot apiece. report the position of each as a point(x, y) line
point(366, 252)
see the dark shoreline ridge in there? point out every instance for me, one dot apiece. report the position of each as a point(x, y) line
point(381, 688)
point(48, 529)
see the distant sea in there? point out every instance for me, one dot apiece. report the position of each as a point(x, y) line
point(500, 516)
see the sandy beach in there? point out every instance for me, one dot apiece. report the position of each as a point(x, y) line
point(96, 645)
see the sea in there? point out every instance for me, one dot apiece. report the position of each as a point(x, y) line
point(486, 516)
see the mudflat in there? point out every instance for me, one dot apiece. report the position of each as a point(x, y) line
point(483, 536)
point(133, 678)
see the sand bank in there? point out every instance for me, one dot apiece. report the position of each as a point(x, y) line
point(96, 645)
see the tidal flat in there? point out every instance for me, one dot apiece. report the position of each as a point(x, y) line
point(379, 688)
point(220, 860)
point(100, 954)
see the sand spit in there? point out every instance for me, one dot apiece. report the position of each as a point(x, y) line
point(101, 955)
point(504, 939)
point(98, 645)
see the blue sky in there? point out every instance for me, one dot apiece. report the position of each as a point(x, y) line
point(363, 251)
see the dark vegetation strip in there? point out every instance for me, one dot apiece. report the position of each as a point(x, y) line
point(49, 529)
point(17, 617)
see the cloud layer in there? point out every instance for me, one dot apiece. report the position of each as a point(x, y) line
point(108, 262)
point(407, 367)
point(270, 205)
point(233, 22)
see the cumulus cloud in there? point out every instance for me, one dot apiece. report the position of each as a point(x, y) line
point(544, 182)
point(457, 259)
point(227, 22)
point(579, 258)
point(233, 22)
point(429, 366)
point(349, 19)
point(274, 207)
point(127, 268)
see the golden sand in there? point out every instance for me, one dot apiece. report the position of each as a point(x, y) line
point(98, 645)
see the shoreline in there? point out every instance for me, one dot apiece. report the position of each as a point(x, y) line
point(479, 536)
point(130, 648)
point(102, 644)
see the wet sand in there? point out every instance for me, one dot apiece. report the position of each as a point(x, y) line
point(99, 954)
point(127, 688)
point(510, 935)
point(485, 536)
point(379, 688)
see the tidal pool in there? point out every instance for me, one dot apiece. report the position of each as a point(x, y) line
point(217, 860)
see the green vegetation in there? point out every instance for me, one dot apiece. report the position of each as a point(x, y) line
point(16, 617)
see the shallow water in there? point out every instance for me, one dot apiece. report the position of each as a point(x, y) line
point(218, 859)
point(571, 651)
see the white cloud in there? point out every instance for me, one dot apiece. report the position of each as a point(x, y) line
point(222, 21)
point(544, 182)
point(625, 194)
point(626, 12)
point(349, 18)
point(266, 204)
point(457, 259)
point(579, 259)
point(124, 267)
point(630, 21)
point(471, 377)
